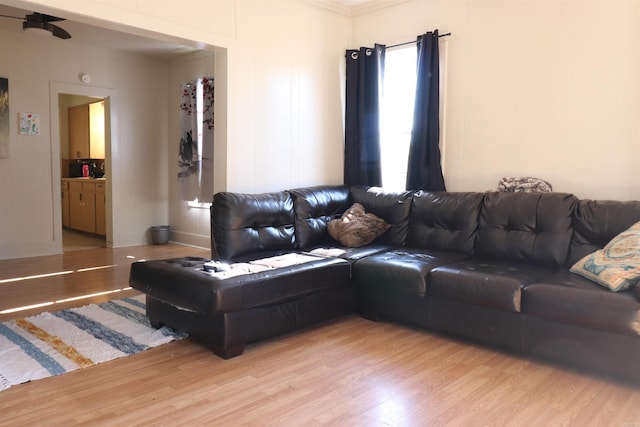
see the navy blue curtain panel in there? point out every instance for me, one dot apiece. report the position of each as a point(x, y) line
point(364, 72)
point(424, 171)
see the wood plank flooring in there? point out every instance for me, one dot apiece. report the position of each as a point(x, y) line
point(73, 240)
point(347, 372)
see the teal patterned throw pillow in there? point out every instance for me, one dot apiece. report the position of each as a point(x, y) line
point(617, 265)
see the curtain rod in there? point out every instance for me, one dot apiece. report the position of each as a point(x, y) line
point(415, 41)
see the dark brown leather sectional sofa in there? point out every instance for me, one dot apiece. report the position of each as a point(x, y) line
point(492, 267)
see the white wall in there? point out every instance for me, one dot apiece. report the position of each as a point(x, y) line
point(280, 82)
point(532, 88)
point(29, 185)
point(543, 88)
point(277, 72)
point(285, 87)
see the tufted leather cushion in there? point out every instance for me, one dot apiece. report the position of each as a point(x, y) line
point(526, 227)
point(444, 221)
point(401, 270)
point(489, 283)
point(392, 207)
point(596, 222)
point(314, 207)
point(247, 223)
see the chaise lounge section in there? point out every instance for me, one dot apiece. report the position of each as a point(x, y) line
point(492, 267)
point(279, 279)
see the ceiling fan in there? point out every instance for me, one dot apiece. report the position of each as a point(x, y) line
point(42, 22)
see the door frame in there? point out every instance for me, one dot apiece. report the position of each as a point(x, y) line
point(111, 148)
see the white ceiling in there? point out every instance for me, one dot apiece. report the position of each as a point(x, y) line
point(118, 40)
point(101, 37)
point(350, 3)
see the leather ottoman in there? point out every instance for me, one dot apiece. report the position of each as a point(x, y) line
point(249, 301)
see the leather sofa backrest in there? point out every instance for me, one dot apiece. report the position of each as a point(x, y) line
point(526, 227)
point(248, 223)
point(596, 222)
point(314, 207)
point(443, 220)
point(393, 207)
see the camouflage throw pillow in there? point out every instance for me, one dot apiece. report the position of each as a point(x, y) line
point(356, 227)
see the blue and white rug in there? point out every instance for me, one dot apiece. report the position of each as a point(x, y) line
point(49, 344)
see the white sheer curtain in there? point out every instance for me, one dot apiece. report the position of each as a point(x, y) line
point(195, 159)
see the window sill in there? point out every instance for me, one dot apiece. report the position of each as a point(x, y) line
point(198, 205)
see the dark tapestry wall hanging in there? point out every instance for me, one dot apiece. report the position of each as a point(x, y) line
point(195, 159)
point(4, 118)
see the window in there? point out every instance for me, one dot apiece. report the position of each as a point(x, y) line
point(396, 115)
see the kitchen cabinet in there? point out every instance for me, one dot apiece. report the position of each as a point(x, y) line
point(82, 206)
point(65, 203)
point(86, 131)
point(101, 219)
point(79, 132)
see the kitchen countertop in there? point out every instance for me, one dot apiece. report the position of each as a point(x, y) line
point(84, 179)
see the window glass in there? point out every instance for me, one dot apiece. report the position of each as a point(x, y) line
point(396, 115)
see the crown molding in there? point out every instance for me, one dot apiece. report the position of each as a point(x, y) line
point(355, 7)
point(330, 6)
point(373, 5)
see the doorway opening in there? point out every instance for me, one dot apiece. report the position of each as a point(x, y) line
point(82, 169)
point(82, 179)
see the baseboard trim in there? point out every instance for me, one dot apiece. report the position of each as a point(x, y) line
point(189, 239)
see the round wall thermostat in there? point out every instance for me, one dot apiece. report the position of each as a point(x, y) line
point(86, 78)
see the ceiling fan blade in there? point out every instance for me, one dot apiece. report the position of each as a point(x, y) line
point(40, 21)
point(50, 18)
point(59, 32)
point(40, 17)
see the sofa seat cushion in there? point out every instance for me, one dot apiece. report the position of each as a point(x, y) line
point(402, 270)
point(183, 283)
point(350, 254)
point(488, 283)
point(568, 298)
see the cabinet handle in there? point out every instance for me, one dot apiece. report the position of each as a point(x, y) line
point(77, 154)
point(80, 196)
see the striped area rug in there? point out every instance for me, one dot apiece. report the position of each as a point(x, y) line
point(54, 343)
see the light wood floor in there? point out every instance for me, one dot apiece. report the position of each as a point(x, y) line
point(73, 240)
point(348, 372)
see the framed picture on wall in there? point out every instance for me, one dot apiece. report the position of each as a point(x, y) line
point(4, 118)
point(29, 124)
